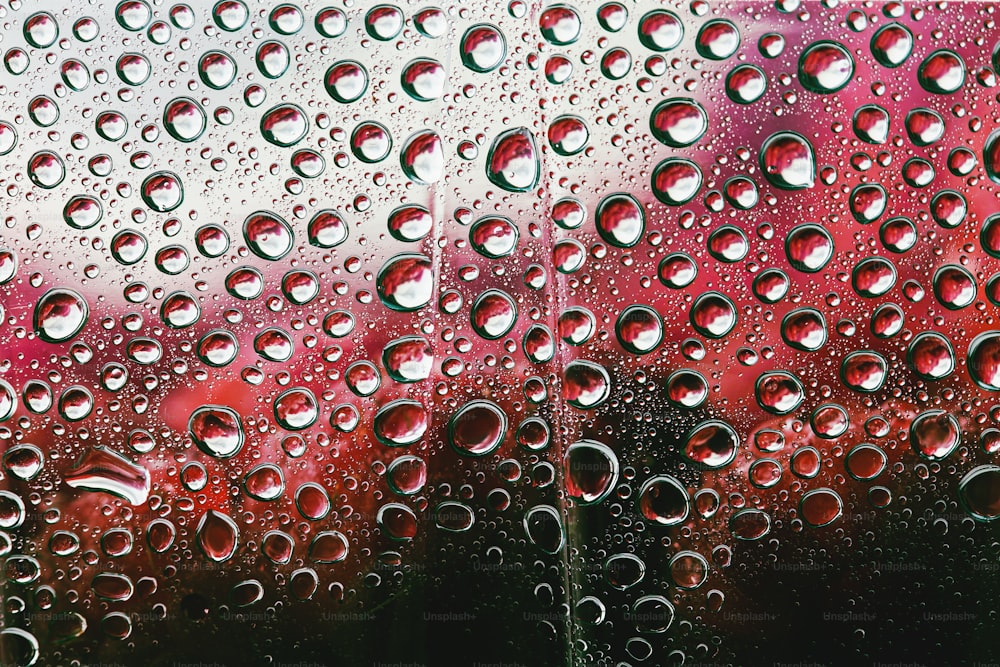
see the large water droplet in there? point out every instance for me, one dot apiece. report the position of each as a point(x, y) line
point(406, 282)
point(788, 161)
point(942, 72)
point(102, 469)
point(544, 528)
point(346, 81)
point(620, 220)
point(268, 235)
point(60, 314)
point(779, 392)
point(664, 501)
point(660, 30)
point(979, 492)
point(712, 444)
point(591, 471)
point(401, 422)
point(809, 248)
point(218, 536)
point(216, 430)
point(587, 384)
point(821, 507)
point(265, 482)
point(713, 315)
point(284, 125)
point(864, 371)
point(184, 119)
point(717, 39)
point(512, 163)
point(477, 428)
point(676, 181)
point(483, 48)
point(493, 314)
point(422, 157)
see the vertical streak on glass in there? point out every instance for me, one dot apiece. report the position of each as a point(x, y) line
point(563, 354)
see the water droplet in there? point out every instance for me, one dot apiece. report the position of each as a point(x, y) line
point(102, 469)
point(400, 423)
point(329, 546)
point(624, 570)
point(216, 430)
point(397, 521)
point(804, 329)
point(477, 428)
point(267, 235)
point(620, 220)
point(454, 517)
point(712, 444)
point(273, 59)
point(892, 45)
point(331, 22)
point(363, 378)
point(184, 119)
point(217, 69)
point(676, 181)
point(713, 315)
point(346, 81)
point(217, 348)
point(265, 482)
point(422, 157)
point(954, 287)
point(779, 392)
point(942, 72)
point(639, 329)
point(873, 277)
point(60, 314)
point(871, 124)
point(788, 161)
point(979, 493)
point(865, 462)
point(133, 69)
point(424, 79)
point(544, 528)
point(864, 371)
point(868, 202)
point(750, 524)
point(821, 507)
point(384, 22)
point(568, 135)
point(406, 282)
point(512, 163)
point(483, 48)
point(217, 536)
point(717, 39)
point(660, 30)
point(493, 314)
point(664, 500)
point(924, 126)
point(591, 471)
point(296, 409)
point(46, 169)
point(746, 84)
point(934, 434)
point(587, 384)
point(407, 475)
point(284, 125)
point(11, 510)
point(408, 359)
point(230, 15)
point(677, 270)
point(410, 223)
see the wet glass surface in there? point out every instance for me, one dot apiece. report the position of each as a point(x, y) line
point(604, 333)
